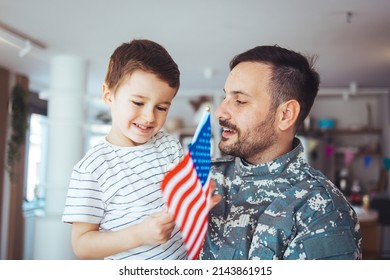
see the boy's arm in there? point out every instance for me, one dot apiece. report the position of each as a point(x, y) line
point(90, 243)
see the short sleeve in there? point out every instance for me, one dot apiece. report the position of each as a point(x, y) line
point(84, 199)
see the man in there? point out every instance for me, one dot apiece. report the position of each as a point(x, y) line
point(274, 205)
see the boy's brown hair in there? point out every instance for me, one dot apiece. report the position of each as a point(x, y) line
point(142, 55)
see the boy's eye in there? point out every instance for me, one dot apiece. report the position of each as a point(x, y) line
point(137, 103)
point(162, 109)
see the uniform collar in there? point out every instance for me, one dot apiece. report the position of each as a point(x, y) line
point(274, 167)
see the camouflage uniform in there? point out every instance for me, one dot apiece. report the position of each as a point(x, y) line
point(283, 209)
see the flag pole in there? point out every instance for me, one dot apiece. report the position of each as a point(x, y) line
point(203, 119)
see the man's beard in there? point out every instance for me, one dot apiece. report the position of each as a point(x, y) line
point(251, 143)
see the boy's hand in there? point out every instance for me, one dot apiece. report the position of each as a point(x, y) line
point(157, 228)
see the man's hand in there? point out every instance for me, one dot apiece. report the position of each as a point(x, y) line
point(215, 199)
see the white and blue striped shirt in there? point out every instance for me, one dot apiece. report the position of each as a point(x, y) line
point(120, 186)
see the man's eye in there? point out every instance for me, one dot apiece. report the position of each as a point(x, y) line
point(137, 103)
point(240, 102)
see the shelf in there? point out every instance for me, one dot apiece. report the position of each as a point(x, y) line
point(354, 131)
point(359, 153)
point(340, 131)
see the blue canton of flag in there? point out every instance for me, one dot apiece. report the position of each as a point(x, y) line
point(200, 149)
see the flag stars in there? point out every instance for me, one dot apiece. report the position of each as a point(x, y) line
point(200, 152)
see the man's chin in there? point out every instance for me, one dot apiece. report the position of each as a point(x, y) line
point(226, 149)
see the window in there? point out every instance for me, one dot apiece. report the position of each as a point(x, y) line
point(36, 158)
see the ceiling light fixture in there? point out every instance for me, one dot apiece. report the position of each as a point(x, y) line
point(19, 40)
point(27, 48)
point(349, 17)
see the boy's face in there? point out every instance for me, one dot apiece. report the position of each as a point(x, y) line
point(139, 108)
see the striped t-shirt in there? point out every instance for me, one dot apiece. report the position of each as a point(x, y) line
point(120, 186)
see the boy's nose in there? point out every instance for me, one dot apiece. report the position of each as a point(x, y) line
point(148, 115)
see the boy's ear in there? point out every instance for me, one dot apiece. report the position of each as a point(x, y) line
point(287, 114)
point(107, 96)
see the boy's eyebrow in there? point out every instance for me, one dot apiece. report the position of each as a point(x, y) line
point(144, 97)
point(139, 96)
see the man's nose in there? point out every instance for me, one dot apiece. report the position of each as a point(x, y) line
point(222, 111)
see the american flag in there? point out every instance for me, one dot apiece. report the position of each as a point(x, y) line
point(186, 189)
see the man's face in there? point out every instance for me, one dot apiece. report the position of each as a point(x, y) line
point(245, 115)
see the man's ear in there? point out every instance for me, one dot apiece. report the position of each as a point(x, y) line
point(287, 114)
point(107, 95)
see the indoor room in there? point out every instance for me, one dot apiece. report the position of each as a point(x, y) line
point(53, 60)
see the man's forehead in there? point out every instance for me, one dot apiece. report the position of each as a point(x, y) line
point(246, 77)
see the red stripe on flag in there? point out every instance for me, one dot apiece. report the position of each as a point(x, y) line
point(188, 203)
point(201, 210)
point(197, 242)
point(171, 174)
point(179, 186)
point(197, 246)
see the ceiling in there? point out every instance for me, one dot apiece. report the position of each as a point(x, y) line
point(203, 35)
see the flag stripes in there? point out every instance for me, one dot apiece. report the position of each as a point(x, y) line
point(186, 190)
point(187, 201)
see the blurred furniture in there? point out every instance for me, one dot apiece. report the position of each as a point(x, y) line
point(381, 203)
point(368, 220)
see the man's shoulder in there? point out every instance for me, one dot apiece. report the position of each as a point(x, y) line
point(321, 186)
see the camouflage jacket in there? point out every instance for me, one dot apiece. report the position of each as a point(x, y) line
point(283, 209)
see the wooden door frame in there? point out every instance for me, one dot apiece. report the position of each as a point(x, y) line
point(4, 99)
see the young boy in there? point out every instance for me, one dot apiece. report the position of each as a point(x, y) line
point(114, 200)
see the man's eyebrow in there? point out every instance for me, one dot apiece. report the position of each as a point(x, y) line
point(237, 92)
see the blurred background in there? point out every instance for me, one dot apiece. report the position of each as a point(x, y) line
point(53, 58)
